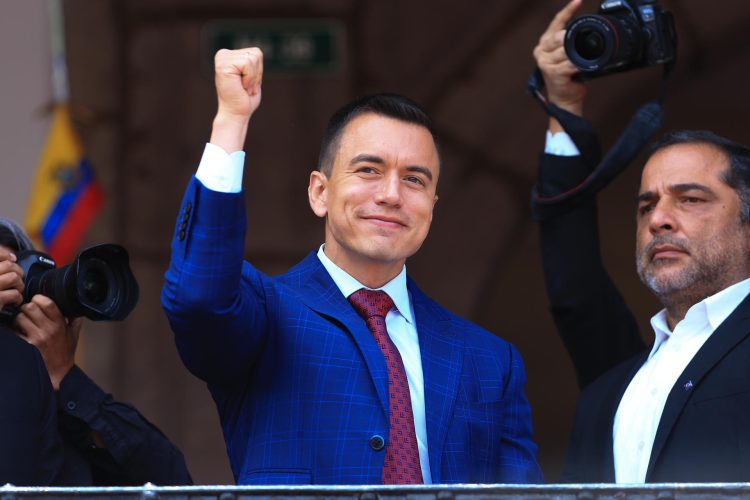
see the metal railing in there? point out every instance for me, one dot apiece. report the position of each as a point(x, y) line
point(665, 491)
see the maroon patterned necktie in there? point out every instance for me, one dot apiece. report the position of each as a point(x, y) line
point(401, 464)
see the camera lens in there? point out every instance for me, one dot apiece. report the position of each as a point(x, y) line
point(106, 288)
point(94, 285)
point(98, 284)
point(596, 43)
point(589, 43)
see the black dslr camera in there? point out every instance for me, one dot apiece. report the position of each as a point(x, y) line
point(625, 34)
point(98, 284)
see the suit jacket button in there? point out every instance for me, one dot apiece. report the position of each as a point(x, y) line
point(377, 442)
point(182, 235)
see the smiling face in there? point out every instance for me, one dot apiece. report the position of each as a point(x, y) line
point(379, 197)
point(690, 240)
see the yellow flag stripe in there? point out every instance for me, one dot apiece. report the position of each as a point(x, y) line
point(62, 151)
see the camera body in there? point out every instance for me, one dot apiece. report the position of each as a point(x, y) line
point(623, 35)
point(98, 284)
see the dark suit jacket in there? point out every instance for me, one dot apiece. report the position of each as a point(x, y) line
point(30, 449)
point(301, 385)
point(704, 431)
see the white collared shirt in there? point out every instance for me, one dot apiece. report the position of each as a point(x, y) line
point(560, 144)
point(402, 330)
point(222, 172)
point(640, 409)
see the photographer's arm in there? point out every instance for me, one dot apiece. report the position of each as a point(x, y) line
point(213, 299)
point(591, 316)
point(120, 445)
point(117, 442)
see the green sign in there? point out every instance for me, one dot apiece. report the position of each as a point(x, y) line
point(288, 45)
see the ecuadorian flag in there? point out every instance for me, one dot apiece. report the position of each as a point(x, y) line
point(65, 196)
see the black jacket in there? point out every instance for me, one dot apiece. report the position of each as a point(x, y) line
point(31, 449)
point(135, 450)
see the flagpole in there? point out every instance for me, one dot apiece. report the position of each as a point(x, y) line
point(60, 89)
point(65, 195)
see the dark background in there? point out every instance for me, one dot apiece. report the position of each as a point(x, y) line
point(143, 102)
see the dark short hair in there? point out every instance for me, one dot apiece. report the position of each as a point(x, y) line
point(13, 236)
point(384, 104)
point(736, 176)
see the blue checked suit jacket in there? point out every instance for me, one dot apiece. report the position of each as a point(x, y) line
point(301, 385)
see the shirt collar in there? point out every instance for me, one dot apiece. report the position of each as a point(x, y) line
point(396, 288)
point(711, 311)
point(721, 305)
point(661, 330)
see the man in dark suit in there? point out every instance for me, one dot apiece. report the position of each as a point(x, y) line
point(340, 371)
point(676, 411)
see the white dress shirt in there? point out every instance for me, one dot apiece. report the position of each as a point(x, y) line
point(560, 144)
point(641, 406)
point(222, 172)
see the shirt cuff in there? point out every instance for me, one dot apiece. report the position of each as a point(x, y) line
point(220, 171)
point(560, 144)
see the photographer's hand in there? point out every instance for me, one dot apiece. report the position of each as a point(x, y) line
point(557, 69)
point(238, 76)
point(11, 279)
point(43, 325)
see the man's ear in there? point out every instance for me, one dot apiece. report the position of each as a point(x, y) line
point(317, 193)
point(434, 200)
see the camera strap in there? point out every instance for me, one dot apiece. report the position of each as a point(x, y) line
point(642, 126)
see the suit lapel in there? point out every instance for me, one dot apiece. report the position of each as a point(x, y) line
point(441, 349)
point(732, 331)
point(319, 292)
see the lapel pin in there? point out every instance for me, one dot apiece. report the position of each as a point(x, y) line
point(688, 385)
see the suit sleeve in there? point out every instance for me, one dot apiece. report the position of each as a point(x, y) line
point(213, 299)
point(595, 324)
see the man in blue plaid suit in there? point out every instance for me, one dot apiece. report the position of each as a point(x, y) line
point(300, 384)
